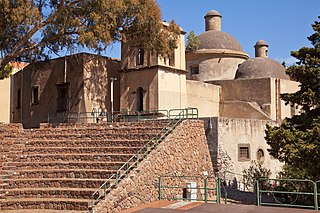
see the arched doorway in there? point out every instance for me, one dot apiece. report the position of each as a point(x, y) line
point(139, 99)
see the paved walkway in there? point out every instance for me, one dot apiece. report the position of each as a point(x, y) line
point(196, 207)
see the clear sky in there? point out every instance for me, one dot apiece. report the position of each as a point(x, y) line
point(283, 24)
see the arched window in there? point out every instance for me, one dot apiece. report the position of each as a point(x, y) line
point(139, 99)
point(140, 57)
point(260, 156)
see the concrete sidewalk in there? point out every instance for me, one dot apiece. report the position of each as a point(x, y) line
point(221, 208)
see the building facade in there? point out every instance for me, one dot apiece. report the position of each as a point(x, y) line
point(237, 96)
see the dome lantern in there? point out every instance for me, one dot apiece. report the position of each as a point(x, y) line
point(213, 20)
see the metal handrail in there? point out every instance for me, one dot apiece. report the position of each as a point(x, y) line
point(140, 155)
point(313, 186)
point(96, 116)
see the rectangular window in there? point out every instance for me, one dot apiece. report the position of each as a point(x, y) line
point(194, 70)
point(18, 98)
point(243, 152)
point(35, 95)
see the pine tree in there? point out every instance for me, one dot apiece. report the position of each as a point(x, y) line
point(193, 42)
point(297, 140)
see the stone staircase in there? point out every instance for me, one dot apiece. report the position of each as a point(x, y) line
point(59, 168)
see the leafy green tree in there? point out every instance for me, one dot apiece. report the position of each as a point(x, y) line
point(193, 42)
point(35, 29)
point(254, 172)
point(5, 72)
point(297, 140)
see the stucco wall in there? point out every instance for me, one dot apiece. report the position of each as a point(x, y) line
point(224, 135)
point(85, 92)
point(179, 55)
point(172, 90)
point(213, 66)
point(287, 86)
point(5, 100)
point(242, 109)
point(151, 58)
point(97, 86)
point(185, 152)
point(131, 81)
point(205, 97)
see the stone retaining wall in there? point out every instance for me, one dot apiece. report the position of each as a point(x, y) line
point(185, 152)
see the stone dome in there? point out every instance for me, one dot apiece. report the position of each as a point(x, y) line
point(260, 67)
point(214, 39)
point(261, 43)
point(213, 13)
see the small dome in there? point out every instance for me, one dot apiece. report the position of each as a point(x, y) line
point(213, 13)
point(261, 43)
point(218, 40)
point(261, 68)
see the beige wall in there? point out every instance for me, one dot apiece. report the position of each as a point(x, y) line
point(224, 135)
point(172, 90)
point(256, 98)
point(5, 91)
point(214, 64)
point(131, 81)
point(245, 90)
point(97, 86)
point(129, 57)
point(179, 55)
point(205, 97)
point(87, 76)
point(287, 86)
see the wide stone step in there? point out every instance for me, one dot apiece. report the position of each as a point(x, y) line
point(82, 137)
point(64, 173)
point(62, 165)
point(43, 211)
point(75, 193)
point(98, 157)
point(86, 143)
point(45, 203)
point(98, 130)
point(51, 183)
point(79, 150)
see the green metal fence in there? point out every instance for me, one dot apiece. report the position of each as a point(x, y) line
point(190, 188)
point(288, 193)
point(97, 116)
point(124, 170)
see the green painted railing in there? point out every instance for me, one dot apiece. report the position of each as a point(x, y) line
point(96, 116)
point(288, 193)
point(63, 117)
point(205, 188)
point(124, 170)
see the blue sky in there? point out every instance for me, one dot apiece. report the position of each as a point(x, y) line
point(283, 24)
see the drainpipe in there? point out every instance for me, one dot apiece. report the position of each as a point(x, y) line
point(277, 99)
point(65, 70)
point(111, 94)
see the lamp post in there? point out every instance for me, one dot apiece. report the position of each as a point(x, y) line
point(111, 94)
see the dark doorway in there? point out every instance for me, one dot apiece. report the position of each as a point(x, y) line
point(63, 97)
point(139, 99)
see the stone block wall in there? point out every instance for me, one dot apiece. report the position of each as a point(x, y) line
point(185, 152)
